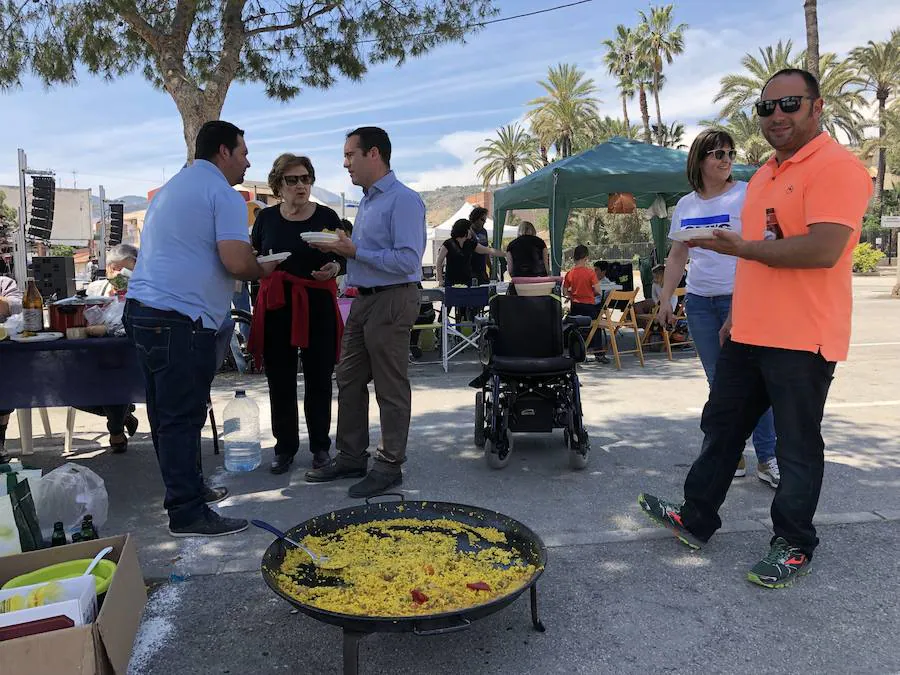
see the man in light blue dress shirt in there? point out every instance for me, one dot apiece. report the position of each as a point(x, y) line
point(384, 262)
point(194, 244)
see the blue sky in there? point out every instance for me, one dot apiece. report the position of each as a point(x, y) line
point(438, 108)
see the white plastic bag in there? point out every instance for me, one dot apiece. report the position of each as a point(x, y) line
point(68, 494)
point(112, 318)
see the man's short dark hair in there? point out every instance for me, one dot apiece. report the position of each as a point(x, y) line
point(374, 137)
point(478, 213)
point(812, 84)
point(601, 265)
point(213, 135)
point(581, 252)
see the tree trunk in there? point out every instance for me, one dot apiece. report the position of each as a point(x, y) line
point(544, 158)
point(882, 158)
point(660, 129)
point(511, 171)
point(645, 112)
point(812, 37)
point(625, 112)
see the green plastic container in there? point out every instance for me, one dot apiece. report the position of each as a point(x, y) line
point(103, 574)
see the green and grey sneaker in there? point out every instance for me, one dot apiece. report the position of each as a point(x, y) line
point(780, 567)
point(668, 514)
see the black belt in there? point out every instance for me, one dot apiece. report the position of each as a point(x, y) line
point(378, 289)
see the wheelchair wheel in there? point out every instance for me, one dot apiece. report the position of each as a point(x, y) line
point(578, 453)
point(499, 454)
point(479, 420)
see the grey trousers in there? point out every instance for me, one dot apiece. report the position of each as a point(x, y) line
point(376, 348)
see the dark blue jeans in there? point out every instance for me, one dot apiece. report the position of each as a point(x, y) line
point(178, 358)
point(749, 380)
point(705, 317)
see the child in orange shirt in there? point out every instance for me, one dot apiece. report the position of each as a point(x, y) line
point(581, 284)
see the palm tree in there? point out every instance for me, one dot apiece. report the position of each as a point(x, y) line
point(642, 76)
point(512, 151)
point(879, 64)
point(812, 37)
point(568, 109)
point(660, 41)
point(671, 136)
point(840, 86)
point(740, 90)
point(619, 59)
point(611, 127)
point(748, 139)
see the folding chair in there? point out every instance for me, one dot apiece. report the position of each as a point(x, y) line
point(668, 331)
point(622, 302)
point(475, 298)
point(429, 296)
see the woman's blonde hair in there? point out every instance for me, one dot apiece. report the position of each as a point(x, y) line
point(526, 228)
point(283, 163)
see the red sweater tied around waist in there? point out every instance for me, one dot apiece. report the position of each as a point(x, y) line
point(271, 297)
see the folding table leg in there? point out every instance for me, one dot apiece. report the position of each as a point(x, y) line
point(70, 429)
point(45, 421)
point(24, 417)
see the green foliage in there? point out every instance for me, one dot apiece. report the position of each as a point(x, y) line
point(62, 250)
point(8, 217)
point(195, 49)
point(566, 117)
point(513, 152)
point(865, 258)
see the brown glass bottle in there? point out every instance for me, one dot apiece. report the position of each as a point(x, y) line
point(32, 308)
point(773, 229)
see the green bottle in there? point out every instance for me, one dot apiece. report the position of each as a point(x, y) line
point(59, 535)
point(88, 532)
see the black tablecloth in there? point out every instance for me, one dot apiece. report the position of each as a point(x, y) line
point(89, 372)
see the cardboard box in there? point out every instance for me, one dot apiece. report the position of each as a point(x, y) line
point(101, 648)
point(77, 600)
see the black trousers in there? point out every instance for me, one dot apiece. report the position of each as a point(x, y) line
point(318, 365)
point(748, 380)
point(584, 309)
point(115, 416)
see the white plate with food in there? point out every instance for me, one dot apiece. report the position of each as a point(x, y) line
point(318, 237)
point(274, 257)
point(692, 233)
point(36, 337)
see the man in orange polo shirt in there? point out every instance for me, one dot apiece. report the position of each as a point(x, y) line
point(791, 324)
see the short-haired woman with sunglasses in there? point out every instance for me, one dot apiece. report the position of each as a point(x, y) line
point(296, 309)
point(716, 201)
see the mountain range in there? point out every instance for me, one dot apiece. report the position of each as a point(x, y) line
point(131, 202)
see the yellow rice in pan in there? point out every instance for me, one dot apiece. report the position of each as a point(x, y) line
point(389, 575)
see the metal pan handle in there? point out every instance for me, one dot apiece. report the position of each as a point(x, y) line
point(386, 494)
point(443, 631)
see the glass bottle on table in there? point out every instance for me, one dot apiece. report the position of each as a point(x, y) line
point(32, 308)
point(59, 535)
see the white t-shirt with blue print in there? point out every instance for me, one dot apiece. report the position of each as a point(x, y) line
point(710, 273)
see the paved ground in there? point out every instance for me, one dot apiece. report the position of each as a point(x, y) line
point(617, 594)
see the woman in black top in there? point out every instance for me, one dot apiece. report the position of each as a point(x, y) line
point(297, 309)
point(527, 255)
point(457, 252)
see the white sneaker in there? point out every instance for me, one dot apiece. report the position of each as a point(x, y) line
point(741, 470)
point(768, 472)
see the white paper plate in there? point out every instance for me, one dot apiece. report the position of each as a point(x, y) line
point(274, 257)
point(40, 337)
point(694, 233)
point(318, 237)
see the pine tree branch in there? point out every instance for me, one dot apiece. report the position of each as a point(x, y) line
point(293, 24)
point(129, 13)
point(185, 14)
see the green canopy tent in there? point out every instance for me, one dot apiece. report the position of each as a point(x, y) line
point(587, 179)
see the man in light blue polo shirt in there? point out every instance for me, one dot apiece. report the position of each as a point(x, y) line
point(384, 262)
point(194, 245)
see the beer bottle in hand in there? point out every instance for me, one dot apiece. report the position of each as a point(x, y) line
point(32, 308)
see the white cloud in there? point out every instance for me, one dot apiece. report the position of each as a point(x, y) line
point(461, 145)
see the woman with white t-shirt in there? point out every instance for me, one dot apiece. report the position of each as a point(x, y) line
point(717, 201)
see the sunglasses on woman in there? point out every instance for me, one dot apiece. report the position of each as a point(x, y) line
point(720, 154)
point(788, 104)
point(306, 179)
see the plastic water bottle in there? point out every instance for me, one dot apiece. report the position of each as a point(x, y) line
point(243, 451)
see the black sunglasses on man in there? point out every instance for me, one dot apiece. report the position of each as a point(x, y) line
point(788, 104)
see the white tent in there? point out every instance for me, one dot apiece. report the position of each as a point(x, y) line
point(442, 231)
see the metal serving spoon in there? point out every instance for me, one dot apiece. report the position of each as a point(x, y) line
point(320, 561)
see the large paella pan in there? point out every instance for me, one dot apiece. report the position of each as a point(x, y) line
point(517, 549)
